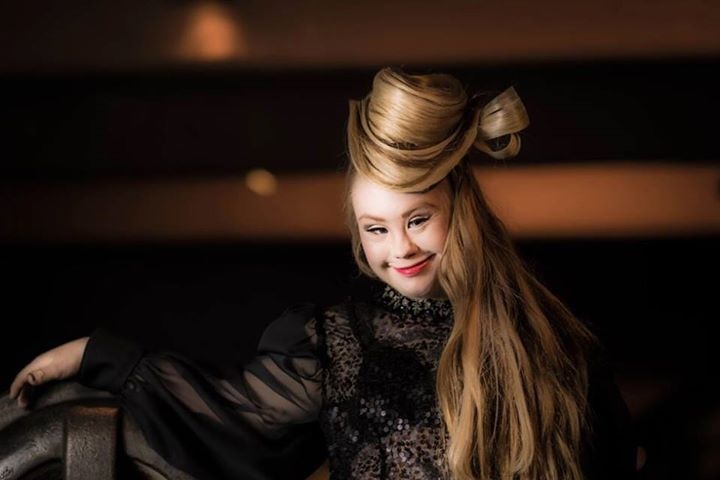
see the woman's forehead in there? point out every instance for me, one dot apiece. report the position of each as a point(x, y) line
point(372, 199)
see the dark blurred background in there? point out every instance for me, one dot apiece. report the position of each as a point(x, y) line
point(173, 170)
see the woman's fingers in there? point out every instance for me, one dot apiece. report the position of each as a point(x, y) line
point(20, 379)
point(36, 377)
point(24, 385)
point(36, 372)
point(24, 396)
point(57, 364)
point(26, 376)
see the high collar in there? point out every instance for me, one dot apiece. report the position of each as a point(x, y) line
point(399, 304)
point(366, 289)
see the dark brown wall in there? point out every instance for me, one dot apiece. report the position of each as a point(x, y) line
point(157, 91)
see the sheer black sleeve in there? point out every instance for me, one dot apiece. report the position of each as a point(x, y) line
point(257, 424)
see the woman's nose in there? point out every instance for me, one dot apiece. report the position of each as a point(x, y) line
point(403, 246)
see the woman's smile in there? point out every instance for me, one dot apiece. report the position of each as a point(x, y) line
point(413, 270)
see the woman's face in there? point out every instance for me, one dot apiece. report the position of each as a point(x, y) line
point(403, 234)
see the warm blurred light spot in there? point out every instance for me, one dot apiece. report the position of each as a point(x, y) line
point(261, 182)
point(213, 32)
point(601, 200)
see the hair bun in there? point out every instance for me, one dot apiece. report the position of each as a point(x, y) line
point(410, 131)
point(503, 116)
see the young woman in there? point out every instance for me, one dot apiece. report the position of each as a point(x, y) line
point(455, 363)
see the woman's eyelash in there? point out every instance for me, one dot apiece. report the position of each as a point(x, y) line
point(414, 222)
point(418, 220)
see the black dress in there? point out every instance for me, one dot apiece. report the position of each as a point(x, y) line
point(353, 383)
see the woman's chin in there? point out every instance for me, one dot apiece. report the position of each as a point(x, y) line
point(417, 290)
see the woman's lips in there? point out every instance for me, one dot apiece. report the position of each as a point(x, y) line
point(414, 269)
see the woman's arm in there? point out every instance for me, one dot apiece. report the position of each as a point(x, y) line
point(258, 422)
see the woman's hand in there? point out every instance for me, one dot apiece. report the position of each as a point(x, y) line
point(57, 364)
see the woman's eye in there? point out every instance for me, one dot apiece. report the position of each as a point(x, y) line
point(376, 230)
point(417, 221)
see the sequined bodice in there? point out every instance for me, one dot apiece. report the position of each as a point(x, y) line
point(380, 414)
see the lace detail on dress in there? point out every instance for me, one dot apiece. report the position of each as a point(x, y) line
point(380, 415)
point(402, 305)
point(344, 356)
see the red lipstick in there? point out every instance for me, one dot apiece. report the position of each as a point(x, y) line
point(414, 269)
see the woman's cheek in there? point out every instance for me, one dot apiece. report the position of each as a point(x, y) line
point(367, 252)
point(370, 248)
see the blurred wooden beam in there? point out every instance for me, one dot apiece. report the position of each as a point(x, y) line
point(549, 201)
point(606, 200)
point(280, 34)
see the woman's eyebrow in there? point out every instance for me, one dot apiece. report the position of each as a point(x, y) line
point(404, 215)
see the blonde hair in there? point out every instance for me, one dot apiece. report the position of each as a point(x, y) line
point(512, 379)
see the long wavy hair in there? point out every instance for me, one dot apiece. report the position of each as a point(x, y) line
point(512, 379)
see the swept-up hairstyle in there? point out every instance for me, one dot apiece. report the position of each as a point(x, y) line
point(512, 379)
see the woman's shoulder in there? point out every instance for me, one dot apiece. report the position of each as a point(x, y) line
point(305, 320)
point(293, 332)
